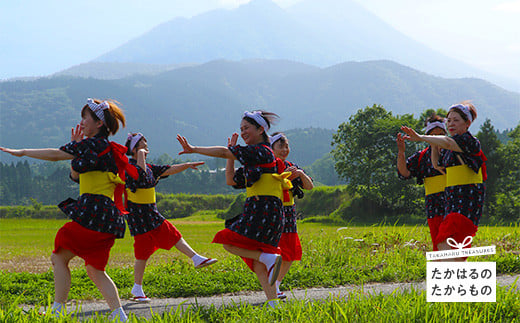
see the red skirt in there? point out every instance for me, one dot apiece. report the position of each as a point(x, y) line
point(163, 237)
point(227, 236)
point(291, 246)
point(92, 246)
point(456, 226)
point(434, 224)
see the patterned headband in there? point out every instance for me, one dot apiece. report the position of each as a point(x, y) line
point(98, 109)
point(134, 139)
point(434, 124)
point(465, 109)
point(257, 116)
point(274, 138)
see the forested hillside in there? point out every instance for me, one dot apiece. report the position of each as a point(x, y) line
point(205, 102)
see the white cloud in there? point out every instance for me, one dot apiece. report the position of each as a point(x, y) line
point(508, 7)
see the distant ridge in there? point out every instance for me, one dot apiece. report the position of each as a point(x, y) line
point(205, 102)
point(321, 33)
point(114, 70)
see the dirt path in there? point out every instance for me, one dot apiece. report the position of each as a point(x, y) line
point(158, 306)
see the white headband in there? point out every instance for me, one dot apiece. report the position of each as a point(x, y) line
point(465, 109)
point(435, 124)
point(274, 138)
point(257, 116)
point(98, 108)
point(134, 139)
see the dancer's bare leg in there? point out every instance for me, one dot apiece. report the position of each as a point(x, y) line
point(185, 248)
point(261, 272)
point(106, 286)
point(139, 267)
point(60, 263)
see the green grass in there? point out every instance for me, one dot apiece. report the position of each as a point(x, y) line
point(333, 256)
point(409, 306)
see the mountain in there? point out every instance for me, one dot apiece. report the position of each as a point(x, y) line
point(259, 29)
point(321, 33)
point(114, 70)
point(205, 102)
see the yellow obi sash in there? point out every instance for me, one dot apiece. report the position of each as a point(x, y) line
point(99, 182)
point(462, 175)
point(271, 184)
point(434, 184)
point(142, 195)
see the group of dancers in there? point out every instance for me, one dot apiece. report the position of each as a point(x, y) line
point(453, 170)
point(264, 234)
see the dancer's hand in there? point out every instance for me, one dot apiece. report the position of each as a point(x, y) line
point(410, 134)
point(401, 146)
point(76, 134)
point(295, 172)
point(233, 140)
point(144, 152)
point(14, 152)
point(194, 165)
point(186, 147)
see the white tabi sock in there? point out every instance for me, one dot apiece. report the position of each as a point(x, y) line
point(267, 259)
point(120, 314)
point(137, 290)
point(198, 259)
point(58, 308)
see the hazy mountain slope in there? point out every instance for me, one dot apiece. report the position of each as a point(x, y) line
point(206, 102)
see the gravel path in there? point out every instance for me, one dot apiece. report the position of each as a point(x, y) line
point(157, 306)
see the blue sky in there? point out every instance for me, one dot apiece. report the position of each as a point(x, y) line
point(42, 37)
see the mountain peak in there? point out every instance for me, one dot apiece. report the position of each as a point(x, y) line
point(321, 33)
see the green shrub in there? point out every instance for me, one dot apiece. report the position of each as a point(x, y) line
point(322, 200)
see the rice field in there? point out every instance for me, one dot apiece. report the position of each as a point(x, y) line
point(333, 256)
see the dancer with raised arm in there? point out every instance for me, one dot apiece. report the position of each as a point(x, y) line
point(151, 231)
point(97, 220)
point(256, 232)
point(420, 166)
point(465, 176)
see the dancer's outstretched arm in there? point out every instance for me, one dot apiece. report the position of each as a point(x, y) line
point(51, 154)
point(214, 151)
point(177, 168)
point(441, 141)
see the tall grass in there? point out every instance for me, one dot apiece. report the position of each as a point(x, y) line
point(408, 306)
point(333, 256)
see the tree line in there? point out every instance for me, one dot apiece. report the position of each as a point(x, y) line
point(364, 153)
point(363, 156)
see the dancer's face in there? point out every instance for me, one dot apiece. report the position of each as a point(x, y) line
point(281, 149)
point(142, 144)
point(456, 124)
point(437, 132)
point(88, 125)
point(250, 133)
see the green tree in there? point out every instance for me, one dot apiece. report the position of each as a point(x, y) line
point(508, 183)
point(365, 155)
point(428, 113)
point(490, 147)
point(322, 171)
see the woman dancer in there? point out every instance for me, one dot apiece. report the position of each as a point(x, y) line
point(419, 165)
point(290, 241)
point(256, 232)
point(99, 166)
point(151, 231)
point(465, 176)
